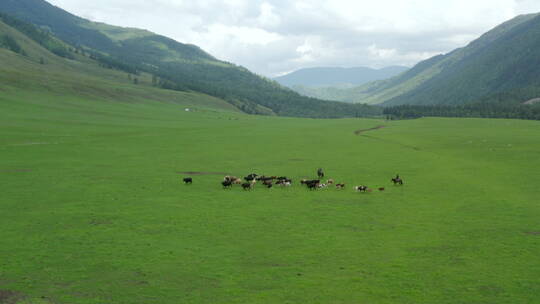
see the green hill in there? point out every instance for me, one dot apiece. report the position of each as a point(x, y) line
point(502, 60)
point(30, 69)
point(175, 65)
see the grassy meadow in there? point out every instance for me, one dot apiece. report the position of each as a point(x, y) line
point(93, 209)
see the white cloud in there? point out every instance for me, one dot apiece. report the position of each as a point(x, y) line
point(381, 53)
point(273, 36)
point(241, 34)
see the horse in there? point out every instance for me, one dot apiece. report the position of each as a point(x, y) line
point(397, 180)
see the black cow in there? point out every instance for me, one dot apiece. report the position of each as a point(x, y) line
point(227, 184)
point(251, 177)
point(312, 186)
point(307, 182)
point(266, 178)
point(188, 180)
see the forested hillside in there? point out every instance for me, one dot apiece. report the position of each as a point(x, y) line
point(502, 60)
point(41, 73)
point(175, 65)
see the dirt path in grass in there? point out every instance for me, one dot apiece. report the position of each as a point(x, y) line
point(358, 132)
point(10, 297)
point(15, 171)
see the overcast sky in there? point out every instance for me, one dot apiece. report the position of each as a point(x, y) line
point(273, 37)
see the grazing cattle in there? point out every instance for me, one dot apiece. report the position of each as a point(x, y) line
point(284, 182)
point(397, 180)
point(320, 173)
point(267, 182)
point(322, 186)
point(361, 188)
point(230, 178)
point(251, 177)
point(226, 184)
point(266, 178)
point(307, 182)
point(330, 181)
point(269, 185)
point(340, 186)
point(283, 179)
point(237, 181)
point(188, 180)
point(249, 186)
point(312, 186)
point(382, 189)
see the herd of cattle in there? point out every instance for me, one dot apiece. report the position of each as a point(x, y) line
point(248, 182)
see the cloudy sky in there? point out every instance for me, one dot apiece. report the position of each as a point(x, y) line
point(272, 37)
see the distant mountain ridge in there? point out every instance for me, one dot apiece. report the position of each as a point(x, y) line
point(337, 76)
point(175, 65)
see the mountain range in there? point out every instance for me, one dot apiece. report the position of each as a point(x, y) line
point(500, 66)
point(335, 76)
point(173, 65)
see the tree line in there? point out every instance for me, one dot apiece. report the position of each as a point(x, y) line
point(42, 37)
point(477, 110)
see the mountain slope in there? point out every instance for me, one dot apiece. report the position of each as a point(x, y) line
point(501, 60)
point(315, 77)
point(37, 77)
point(178, 66)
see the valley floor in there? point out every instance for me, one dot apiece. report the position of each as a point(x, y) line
point(94, 211)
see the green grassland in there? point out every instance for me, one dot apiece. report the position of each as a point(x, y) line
point(94, 211)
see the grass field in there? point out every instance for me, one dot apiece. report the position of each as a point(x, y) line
point(93, 209)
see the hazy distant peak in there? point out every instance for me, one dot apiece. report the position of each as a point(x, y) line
point(336, 76)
